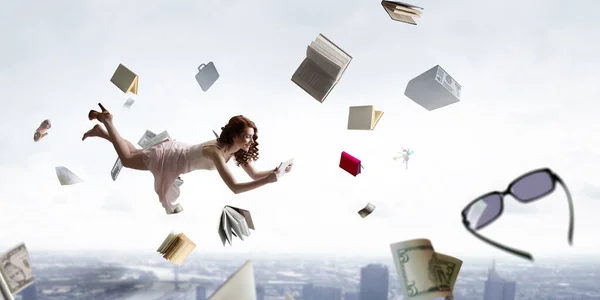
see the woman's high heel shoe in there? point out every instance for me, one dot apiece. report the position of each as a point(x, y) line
point(93, 115)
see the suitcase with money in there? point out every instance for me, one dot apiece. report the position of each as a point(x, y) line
point(207, 75)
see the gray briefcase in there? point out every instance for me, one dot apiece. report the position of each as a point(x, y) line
point(207, 75)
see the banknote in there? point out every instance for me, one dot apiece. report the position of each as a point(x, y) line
point(4, 290)
point(367, 210)
point(146, 138)
point(116, 169)
point(417, 266)
point(15, 268)
point(66, 177)
point(448, 269)
point(178, 181)
point(150, 138)
point(128, 103)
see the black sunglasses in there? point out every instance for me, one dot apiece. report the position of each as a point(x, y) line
point(527, 188)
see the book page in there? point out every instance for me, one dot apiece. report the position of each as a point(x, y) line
point(235, 225)
point(165, 242)
point(239, 286)
point(332, 68)
point(246, 215)
point(335, 52)
point(313, 79)
point(240, 219)
point(221, 229)
point(226, 227)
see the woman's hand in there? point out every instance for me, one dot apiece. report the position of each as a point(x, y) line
point(272, 177)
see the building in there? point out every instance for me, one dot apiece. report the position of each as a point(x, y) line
point(374, 282)
point(351, 296)
point(200, 293)
point(312, 292)
point(29, 293)
point(260, 292)
point(497, 288)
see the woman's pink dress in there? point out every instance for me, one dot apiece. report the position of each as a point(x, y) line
point(170, 159)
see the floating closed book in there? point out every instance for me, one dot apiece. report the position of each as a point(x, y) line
point(176, 248)
point(207, 75)
point(350, 164)
point(402, 12)
point(15, 271)
point(239, 286)
point(322, 68)
point(234, 221)
point(363, 117)
point(125, 80)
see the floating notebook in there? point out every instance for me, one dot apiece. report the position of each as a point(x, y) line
point(322, 68)
point(207, 75)
point(363, 117)
point(125, 80)
point(176, 248)
point(350, 164)
point(402, 12)
point(239, 286)
point(234, 221)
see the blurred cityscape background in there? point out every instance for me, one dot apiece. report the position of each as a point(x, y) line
point(135, 277)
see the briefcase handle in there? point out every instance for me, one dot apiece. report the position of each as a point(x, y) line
point(201, 67)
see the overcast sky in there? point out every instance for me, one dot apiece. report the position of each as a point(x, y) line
point(529, 100)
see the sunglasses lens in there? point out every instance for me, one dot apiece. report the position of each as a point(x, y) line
point(533, 186)
point(484, 211)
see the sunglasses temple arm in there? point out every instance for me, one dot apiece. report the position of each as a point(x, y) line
point(571, 209)
point(520, 253)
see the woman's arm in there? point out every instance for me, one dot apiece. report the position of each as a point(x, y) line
point(228, 178)
point(254, 174)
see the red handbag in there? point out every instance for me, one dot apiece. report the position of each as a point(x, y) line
point(350, 164)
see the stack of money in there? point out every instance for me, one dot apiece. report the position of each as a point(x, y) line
point(15, 271)
point(424, 273)
point(176, 248)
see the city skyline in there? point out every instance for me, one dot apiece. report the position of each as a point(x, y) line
point(528, 102)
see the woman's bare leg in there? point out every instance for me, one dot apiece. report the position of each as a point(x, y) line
point(98, 131)
point(130, 156)
point(130, 159)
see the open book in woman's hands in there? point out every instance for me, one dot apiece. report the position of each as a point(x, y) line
point(283, 166)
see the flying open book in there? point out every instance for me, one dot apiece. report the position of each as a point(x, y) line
point(239, 286)
point(322, 68)
point(176, 248)
point(234, 221)
point(283, 166)
point(402, 12)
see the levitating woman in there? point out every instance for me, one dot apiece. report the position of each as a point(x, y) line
point(169, 159)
